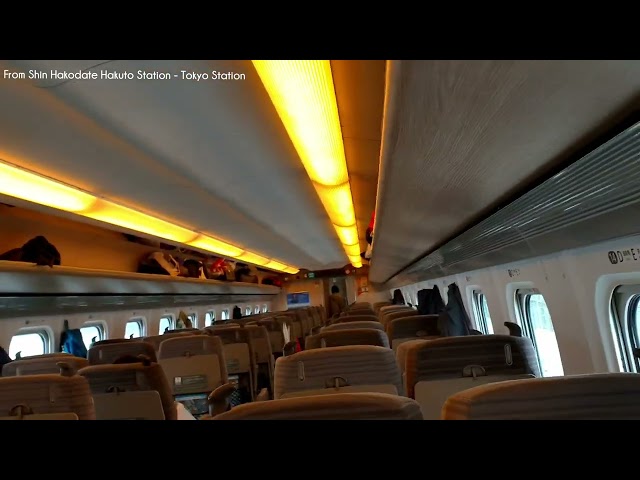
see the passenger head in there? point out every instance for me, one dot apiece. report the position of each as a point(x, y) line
point(335, 289)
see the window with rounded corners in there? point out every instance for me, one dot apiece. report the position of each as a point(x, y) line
point(210, 318)
point(166, 323)
point(194, 319)
point(265, 308)
point(90, 331)
point(28, 344)
point(224, 314)
point(256, 309)
point(134, 329)
point(536, 324)
point(625, 323)
point(247, 311)
point(481, 312)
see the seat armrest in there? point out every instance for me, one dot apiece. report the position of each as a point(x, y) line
point(219, 399)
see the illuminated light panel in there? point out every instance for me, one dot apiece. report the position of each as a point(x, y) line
point(19, 183)
point(352, 250)
point(115, 214)
point(253, 258)
point(347, 235)
point(291, 270)
point(216, 246)
point(276, 266)
point(338, 203)
point(303, 94)
point(356, 261)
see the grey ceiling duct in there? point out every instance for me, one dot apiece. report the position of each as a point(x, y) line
point(595, 199)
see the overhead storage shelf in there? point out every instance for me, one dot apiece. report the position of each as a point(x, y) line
point(18, 278)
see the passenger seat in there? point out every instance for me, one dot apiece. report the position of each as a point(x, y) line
point(130, 391)
point(196, 369)
point(599, 396)
point(355, 368)
point(340, 406)
point(62, 396)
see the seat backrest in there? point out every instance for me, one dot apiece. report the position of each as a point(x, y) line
point(194, 331)
point(276, 336)
point(260, 343)
point(156, 340)
point(110, 352)
point(340, 406)
point(131, 405)
point(236, 343)
point(359, 311)
point(294, 323)
point(337, 338)
point(599, 396)
point(109, 380)
point(356, 318)
point(306, 320)
point(408, 328)
point(352, 325)
point(109, 341)
point(404, 347)
point(360, 305)
point(19, 414)
point(389, 317)
point(436, 369)
point(392, 308)
point(65, 394)
point(42, 364)
point(378, 305)
point(328, 370)
point(193, 363)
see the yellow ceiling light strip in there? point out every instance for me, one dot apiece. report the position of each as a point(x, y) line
point(120, 216)
point(19, 183)
point(355, 260)
point(34, 188)
point(209, 244)
point(303, 94)
point(253, 258)
point(276, 266)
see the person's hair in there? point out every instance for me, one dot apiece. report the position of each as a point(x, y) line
point(335, 289)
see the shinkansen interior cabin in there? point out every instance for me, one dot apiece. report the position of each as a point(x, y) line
point(319, 240)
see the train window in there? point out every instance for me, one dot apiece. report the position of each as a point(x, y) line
point(210, 318)
point(247, 311)
point(265, 308)
point(91, 331)
point(481, 313)
point(29, 344)
point(536, 324)
point(133, 329)
point(166, 323)
point(625, 315)
point(194, 319)
point(225, 314)
point(256, 309)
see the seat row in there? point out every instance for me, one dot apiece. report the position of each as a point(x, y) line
point(339, 374)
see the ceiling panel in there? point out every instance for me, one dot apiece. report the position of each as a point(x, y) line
point(210, 155)
point(461, 136)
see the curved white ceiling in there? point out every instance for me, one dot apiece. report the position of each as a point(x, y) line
point(459, 136)
point(212, 155)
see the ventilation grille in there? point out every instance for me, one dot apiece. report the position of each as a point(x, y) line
point(552, 216)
